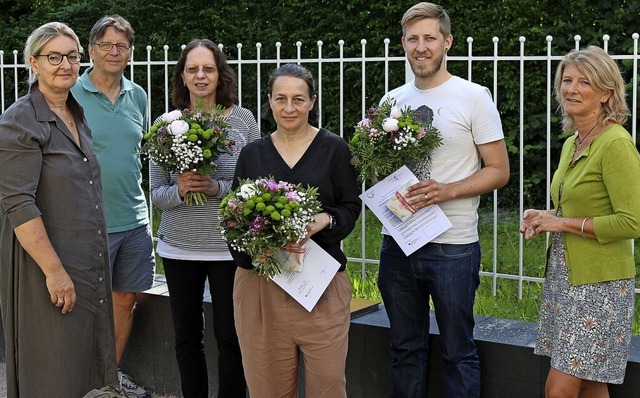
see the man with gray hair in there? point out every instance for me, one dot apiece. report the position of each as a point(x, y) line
point(116, 111)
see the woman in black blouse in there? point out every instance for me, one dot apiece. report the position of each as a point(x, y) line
point(272, 327)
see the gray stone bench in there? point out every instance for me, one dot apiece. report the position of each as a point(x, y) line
point(509, 367)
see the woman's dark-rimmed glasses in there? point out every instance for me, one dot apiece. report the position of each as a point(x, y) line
point(55, 59)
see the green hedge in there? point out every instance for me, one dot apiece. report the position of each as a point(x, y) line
point(160, 22)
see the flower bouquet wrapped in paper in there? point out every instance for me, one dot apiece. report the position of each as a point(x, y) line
point(389, 138)
point(188, 140)
point(265, 219)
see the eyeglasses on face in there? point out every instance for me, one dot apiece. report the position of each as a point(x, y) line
point(193, 70)
point(106, 46)
point(55, 59)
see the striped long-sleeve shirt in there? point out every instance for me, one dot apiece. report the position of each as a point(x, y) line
point(195, 228)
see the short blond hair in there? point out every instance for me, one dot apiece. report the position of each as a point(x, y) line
point(426, 10)
point(40, 37)
point(604, 75)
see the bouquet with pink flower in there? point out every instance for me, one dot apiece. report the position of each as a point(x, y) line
point(265, 219)
point(390, 137)
point(188, 140)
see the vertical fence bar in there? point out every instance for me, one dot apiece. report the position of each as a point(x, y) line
point(386, 65)
point(494, 278)
point(470, 56)
point(341, 78)
point(319, 103)
point(634, 93)
point(132, 62)
point(239, 46)
point(549, 102)
point(2, 79)
point(522, 40)
point(15, 75)
point(258, 86)
point(166, 77)
point(147, 123)
point(363, 224)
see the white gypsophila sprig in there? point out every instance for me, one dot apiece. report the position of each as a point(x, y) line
point(187, 153)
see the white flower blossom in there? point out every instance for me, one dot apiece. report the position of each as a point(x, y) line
point(395, 112)
point(178, 127)
point(247, 191)
point(390, 124)
point(171, 116)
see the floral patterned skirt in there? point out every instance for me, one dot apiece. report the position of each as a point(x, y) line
point(586, 329)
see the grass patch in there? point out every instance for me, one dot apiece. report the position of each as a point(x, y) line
point(504, 304)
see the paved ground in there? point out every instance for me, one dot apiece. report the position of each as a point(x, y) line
point(3, 384)
point(3, 380)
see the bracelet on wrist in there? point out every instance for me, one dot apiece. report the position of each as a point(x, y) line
point(582, 226)
point(332, 222)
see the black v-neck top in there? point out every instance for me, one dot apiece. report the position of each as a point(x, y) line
point(326, 164)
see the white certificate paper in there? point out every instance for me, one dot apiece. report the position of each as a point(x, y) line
point(306, 286)
point(419, 229)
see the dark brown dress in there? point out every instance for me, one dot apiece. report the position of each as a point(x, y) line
point(43, 172)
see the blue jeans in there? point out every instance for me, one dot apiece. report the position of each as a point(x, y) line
point(449, 274)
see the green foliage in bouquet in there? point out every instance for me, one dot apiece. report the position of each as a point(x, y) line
point(390, 137)
point(188, 140)
point(263, 216)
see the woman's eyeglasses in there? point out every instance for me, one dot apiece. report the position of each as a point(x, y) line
point(55, 59)
point(192, 70)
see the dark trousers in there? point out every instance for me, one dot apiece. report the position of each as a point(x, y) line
point(186, 281)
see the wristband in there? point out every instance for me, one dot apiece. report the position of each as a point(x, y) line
point(332, 222)
point(582, 227)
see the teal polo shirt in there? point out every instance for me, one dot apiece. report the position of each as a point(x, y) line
point(117, 131)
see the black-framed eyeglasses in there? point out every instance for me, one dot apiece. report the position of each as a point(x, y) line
point(106, 46)
point(55, 59)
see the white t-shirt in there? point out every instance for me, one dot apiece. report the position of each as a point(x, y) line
point(466, 116)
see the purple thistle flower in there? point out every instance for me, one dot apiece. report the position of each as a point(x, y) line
point(393, 137)
point(163, 134)
point(257, 225)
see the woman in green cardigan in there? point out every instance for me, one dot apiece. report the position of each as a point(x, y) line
point(587, 303)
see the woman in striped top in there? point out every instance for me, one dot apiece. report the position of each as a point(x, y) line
point(190, 244)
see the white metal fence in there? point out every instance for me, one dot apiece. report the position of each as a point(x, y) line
point(13, 71)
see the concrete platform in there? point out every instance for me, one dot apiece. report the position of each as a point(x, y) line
point(509, 367)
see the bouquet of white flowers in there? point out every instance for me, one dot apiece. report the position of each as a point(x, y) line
point(188, 140)
point(390, 137)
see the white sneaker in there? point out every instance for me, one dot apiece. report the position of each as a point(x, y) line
point(130, 389)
